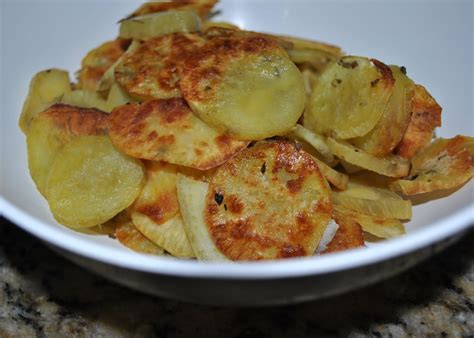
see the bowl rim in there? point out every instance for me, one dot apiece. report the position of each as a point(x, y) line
point(451, 225)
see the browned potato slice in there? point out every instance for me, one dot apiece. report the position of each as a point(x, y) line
point(269, 202)
point(350, 97)
point(377, 226)
point(388, 132)
point(128, 235)
point(349, 235)
point(314, 53)
point(150, 71)
point(167, 130)
point(108, 79)
point(192, 201)
point(45, 86)
point(158, 24)
point(170, 235)
point(90, 182)
point(244, 84)
point(206, 25)
point(98, 60)
point(53, 128)
point(372, 201)
point(117, 97)
point(426, 116)
point(390, 165)
point(314, 139)
point(445, 164)
point(156, 211)
point(84, 99)
point(337, 179)
point(201, 7)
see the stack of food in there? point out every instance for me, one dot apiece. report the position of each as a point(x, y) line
point(198, 139)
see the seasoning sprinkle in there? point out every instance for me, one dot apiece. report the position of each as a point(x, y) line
point(218, 198)
point(263, 168)
point(403, 70)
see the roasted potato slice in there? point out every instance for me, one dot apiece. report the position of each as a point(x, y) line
point(117, 97)
point(271, 201)
point(90, 182)
point(349, 234)
point(244, 84)
point(128, 235)
point(150, 71)
point(391, 127)
point(373, 201)
point(390, 165)
point(170, 234)
point(158, 24)
point(156, 211)
point(310, 52)
point(426, 116)
point(337, 179)
point(98, 60)
point(377, 226)
point(108, 79)
point(53, 128)
point(45, 86)
point(84, 99)
point(314, 139)
point(445, 164)
point(206, 25)
point(192, 201)
point(167, 130)
point(201, 7)
point(350, 97)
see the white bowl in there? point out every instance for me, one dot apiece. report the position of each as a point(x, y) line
point(434, 42)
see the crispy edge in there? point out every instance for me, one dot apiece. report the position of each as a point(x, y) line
point(426, 116)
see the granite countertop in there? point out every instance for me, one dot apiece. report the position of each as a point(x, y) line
point(44, 295)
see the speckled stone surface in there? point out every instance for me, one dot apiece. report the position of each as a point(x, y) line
point(43, 295)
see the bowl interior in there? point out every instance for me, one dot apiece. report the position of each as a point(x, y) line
point(38, 36)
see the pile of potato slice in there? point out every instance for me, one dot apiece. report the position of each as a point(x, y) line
point(198, 139)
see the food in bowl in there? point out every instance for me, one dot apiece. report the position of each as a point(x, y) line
point(201, 140)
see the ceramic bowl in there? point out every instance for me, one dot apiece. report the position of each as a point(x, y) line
point(433, 41)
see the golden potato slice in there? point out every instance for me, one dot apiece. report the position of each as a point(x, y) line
point(314, 139)
point(201, 7)
point(156, 211)
point(269, 202)
point(372, 201)
point(167, 130)
point(244, 84)
point(117, 97)
point(108, 79)
point(391, 127)
point(337, 179)
point(192, 201)
point(45, 86)
point(98, 60)
point(90, 182)
point(84, 99)
point(158, 24)
point(445, 164)
point(349, 235)
point(207, 25)
point(377, 226)
point(426, 116)
point(54, 127)
point(150, 71)
point(128, 235)
point(170, 234)
point(350, 97)
point(314, 53)
point(390, 165)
